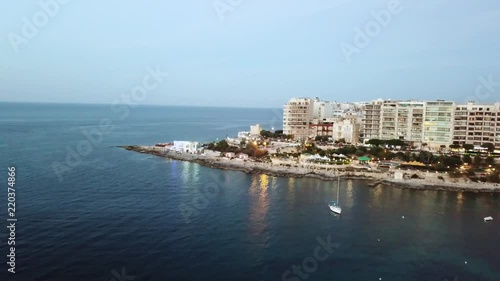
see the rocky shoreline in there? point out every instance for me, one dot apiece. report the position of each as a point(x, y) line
point(376, 178)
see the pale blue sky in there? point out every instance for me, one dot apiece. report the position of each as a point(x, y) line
point(262, 54)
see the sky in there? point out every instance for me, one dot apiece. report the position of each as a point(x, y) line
point(248, 53)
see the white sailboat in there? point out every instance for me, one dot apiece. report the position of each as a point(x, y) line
point(335, 205)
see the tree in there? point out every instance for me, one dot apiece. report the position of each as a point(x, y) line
point(375, 142)
point(489, 146)
point(360, 152)
point(467, 159)
point(494, 177)
point(321, 138)
point(375, 150)
point(467, 146)
point(425, 157)
point(452, 161)
point(221, 146)
point(266, 134)
point(477, 160)
point(395, 142)
point(403, 156)
point(490, 160)
point(440, 167)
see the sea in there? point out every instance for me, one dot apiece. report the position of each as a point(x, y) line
point(86, 209)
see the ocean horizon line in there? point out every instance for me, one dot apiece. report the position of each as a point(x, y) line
point(139, 105)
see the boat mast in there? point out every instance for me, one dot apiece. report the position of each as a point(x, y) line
point(338, 190)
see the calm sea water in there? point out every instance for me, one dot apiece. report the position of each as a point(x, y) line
point(119, 215)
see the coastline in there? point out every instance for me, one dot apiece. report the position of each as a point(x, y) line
point(251, 167)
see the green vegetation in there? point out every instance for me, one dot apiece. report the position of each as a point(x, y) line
point(467, 147)
point(276, 135)
point(251, 149)
point(489, 146)
point(321, 138)
point(394, 142)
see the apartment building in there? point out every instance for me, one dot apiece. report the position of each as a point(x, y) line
point(347, 129)
point(370, 128)
point(297, 116)
point(438, 123)
point(402, 120)
point(477, 124)
point(388, 120)
point(323, 109)
point(321, 127)
point(410, 119)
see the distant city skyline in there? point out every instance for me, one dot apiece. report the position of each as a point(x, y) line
point(249, 53)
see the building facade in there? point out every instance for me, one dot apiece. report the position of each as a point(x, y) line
point(401, 120)
point(297, 116)
point(370, 127)
point(255, 129)
point(347, 129)
point(410, 119)
point(186, 147)
point(321, 127)
point(477, 124)
point(438, 123)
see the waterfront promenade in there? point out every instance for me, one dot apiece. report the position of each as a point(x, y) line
point(426, 180)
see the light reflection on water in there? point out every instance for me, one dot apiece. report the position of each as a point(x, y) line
point(259, 206)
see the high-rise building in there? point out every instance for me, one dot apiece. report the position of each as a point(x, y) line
point(410, 117)
point(297, 115)
point(388, 120)
point(438, 123)
point(370, 128)
point(401, 120)
point(477, 124)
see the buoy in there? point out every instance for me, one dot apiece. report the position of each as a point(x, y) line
point(378, 240)
point(403, 217)
point(465, 262)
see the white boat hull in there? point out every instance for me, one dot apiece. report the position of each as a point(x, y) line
point(488, 219)
point(336, 209)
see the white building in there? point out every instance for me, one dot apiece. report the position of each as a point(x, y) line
point(255, 130)
point(438, 123)
point(243, 135)
point(402, 120)
point(477, 124)
point(347, 129)
point(370, 128)
point(186, 147)
point(297, 115)
point(323, 109)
